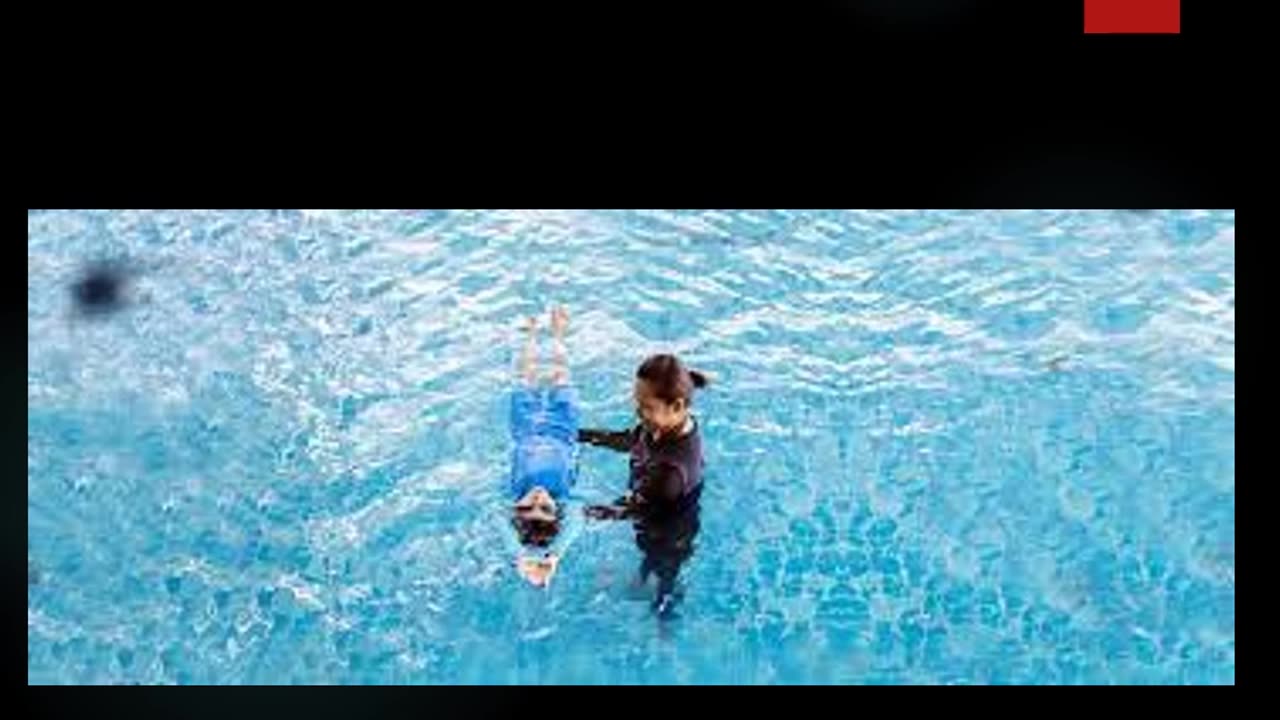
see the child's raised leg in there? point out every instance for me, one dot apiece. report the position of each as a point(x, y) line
point(560, 362)
point(529, 358)
point(526, 400)
point(562, 401)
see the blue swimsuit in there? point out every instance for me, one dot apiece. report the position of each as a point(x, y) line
point(545, 431)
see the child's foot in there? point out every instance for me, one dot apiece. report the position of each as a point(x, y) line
point(559, 320)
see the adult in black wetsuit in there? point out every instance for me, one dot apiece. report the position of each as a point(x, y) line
point(665, 484)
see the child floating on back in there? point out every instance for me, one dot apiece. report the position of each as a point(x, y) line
point(544, 428)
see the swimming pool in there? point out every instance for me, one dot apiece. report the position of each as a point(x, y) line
point(942, 447)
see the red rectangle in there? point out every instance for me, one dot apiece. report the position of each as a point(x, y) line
point(1132, 16)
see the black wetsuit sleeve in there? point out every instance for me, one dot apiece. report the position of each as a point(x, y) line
point(619, 440)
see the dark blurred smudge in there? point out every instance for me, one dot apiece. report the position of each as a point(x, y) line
point(102, 288)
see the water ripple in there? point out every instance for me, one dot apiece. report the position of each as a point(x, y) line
point(944, 446)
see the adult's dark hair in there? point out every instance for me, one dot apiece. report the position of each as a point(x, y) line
point(669, 379)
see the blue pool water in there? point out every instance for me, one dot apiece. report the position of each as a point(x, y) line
point(942, 447)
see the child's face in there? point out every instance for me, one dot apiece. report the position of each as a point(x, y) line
point(537, 505)
point(657, 415)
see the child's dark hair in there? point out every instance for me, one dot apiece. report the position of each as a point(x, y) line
point(536, 533)
point(669, 378)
